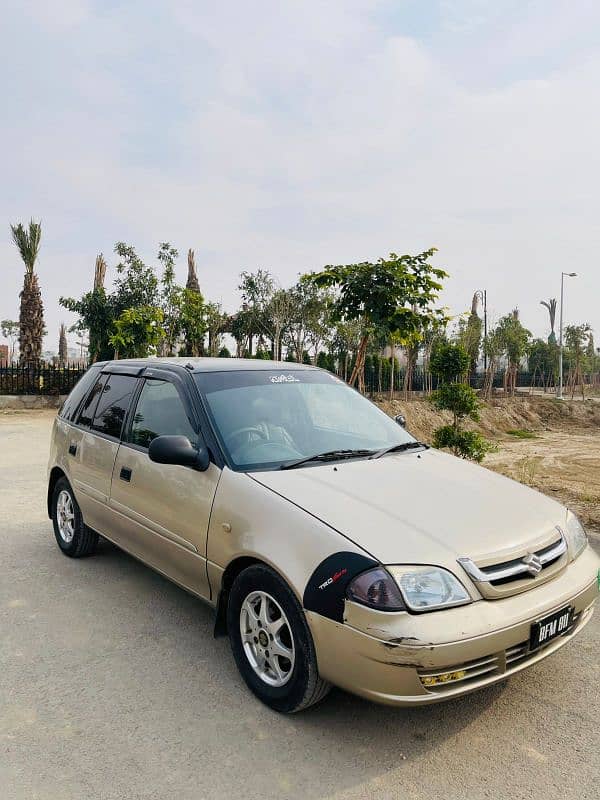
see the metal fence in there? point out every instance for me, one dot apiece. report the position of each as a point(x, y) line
point(378, 381)
point(59, 380)
point(39, 379)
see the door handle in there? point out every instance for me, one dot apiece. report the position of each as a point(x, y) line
point(72, 449)
point(125, 474)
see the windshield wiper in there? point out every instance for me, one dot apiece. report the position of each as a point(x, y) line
point(329, 455)
point(398, 448)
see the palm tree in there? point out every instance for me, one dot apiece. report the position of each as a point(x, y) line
point(551, 306)
point(31, 314)
point(62, 345)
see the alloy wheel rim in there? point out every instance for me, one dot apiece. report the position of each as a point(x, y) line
point(267, 638)
point(65, 517)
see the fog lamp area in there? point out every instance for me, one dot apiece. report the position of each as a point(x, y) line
point(444, 677)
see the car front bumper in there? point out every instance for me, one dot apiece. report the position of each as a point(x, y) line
point(390, 657)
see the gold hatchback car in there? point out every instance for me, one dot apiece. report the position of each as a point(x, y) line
point(333, 546)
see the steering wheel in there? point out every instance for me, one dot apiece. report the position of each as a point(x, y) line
point(231, 440)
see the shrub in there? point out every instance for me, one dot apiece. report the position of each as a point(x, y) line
point(462, 401)
point(466, 444)
point(458, 398)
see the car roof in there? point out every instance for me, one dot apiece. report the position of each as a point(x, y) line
point(205, 364)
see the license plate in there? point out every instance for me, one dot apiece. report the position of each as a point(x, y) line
point(550, 627)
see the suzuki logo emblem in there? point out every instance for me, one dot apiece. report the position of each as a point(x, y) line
point(533, 563)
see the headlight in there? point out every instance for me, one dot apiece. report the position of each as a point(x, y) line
point(429, 588)
point(377, 589)
point(576, 535)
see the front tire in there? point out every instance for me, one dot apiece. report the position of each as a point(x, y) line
point(73, 537)
point(271, 642)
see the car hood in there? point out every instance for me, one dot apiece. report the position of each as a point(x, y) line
point(422, 507)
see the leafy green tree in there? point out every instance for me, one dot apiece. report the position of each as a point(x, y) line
point(170, 299)
point(276, 318)
point(515, 341)
point(96, 314)
point(394, 293)
point(576, 338)
point(192, 322)
point(31, 314)
point(216, 323)
point(469, 335)
point(542, 358)
point(257, 289)
point(138, 332)
point(309, 323)
point(433, 335)
point(493, 347)
point(447, 362)
point(136, 283)
point(345, 341)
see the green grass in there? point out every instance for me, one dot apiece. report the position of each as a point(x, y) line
point(519, 433)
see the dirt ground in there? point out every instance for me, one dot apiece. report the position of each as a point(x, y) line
point(554, 447)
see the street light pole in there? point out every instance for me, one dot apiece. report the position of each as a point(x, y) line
point(482, 294)
point(560, 335)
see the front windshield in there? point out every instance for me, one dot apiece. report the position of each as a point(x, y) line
point(268, 418)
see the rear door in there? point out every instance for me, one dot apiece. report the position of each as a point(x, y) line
point(162, 511)
point(93, 445)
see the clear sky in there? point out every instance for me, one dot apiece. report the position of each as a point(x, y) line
point(289, 134)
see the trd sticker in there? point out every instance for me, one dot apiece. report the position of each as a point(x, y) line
point(284, 379)
point(335, 577)
point(326, 589)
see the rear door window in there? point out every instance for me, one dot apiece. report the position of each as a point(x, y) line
point(113, 404)
point(71, 404)
point(87, 410)
point(160, 412)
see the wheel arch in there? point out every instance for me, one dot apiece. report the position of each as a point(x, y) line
point(55, 475)
point(232, 570)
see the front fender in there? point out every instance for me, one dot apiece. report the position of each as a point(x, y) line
point(251, 521)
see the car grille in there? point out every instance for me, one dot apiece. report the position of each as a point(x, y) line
point(518, 574)
point(502, 663)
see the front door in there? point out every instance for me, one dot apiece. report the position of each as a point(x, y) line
point(161, 511)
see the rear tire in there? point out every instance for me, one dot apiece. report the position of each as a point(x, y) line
point(73, 536)
point(271, 641)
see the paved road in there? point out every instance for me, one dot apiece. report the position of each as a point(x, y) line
point(111, 686)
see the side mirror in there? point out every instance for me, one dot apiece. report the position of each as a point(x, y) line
point(401, 420)
point(178, 450)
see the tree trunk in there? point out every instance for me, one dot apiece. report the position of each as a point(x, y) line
point(31, 320)
point(359, 367)
point(62, 346)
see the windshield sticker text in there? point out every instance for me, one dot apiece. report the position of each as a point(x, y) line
point(284, 379)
